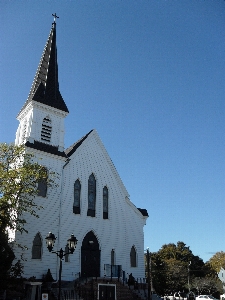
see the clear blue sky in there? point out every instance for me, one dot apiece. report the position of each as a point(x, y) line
point(149, 76)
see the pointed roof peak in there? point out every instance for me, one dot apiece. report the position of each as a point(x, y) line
point(45, 87)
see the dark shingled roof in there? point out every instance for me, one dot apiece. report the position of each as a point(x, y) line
point(54, 149)
point(69, 151)
point(46, 148)
point(143, 211)
point(45, 87)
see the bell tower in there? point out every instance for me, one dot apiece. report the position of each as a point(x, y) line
point(42, 116)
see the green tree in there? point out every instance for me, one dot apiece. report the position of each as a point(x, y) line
point(173, 268)
point(158, 273)
point(10, 271)
point(217, 261)
point(6, 258)
point(19, 178)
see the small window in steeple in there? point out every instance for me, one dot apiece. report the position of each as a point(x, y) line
point(46, 130)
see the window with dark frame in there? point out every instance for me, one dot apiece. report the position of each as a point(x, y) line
point(37, 247)
point(91, 196)
point(133, 257)
point(112, 257)
point(77, 192)
point(42, 187)
point(105, 203)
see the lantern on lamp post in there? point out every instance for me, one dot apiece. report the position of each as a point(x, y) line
point(71, 242)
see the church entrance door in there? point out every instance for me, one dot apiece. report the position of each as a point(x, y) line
point(90, 256)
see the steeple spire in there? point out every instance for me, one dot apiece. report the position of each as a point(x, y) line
point(45, 87)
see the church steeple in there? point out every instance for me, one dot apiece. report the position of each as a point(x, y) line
point(45, 87)
point(42, 116)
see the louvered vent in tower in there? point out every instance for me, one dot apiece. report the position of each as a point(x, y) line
point(46, 130)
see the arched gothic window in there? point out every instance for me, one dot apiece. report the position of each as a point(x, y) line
point(133, 257)
point(76, 203)
point(37, 247)
point(46, 130)
point(91, 196)
point(42, 187)
point(105, 203)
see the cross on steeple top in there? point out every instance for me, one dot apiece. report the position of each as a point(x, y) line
point(55, 16)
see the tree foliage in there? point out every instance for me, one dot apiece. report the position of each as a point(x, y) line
point(207, 284)
point(10, 271)
point(19, 177)
point(6, 258)
point(217, 261)
point(174, 261)
point(175, 268)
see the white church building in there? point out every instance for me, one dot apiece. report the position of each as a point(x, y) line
point(90, 200)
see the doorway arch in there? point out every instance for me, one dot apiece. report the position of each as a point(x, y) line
point(90, 256)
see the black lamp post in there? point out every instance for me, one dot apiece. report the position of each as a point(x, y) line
point(149, 274)
point(189, 276)
point(50, 241)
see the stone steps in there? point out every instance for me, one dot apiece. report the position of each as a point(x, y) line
point(122, 291)
point(89, 290)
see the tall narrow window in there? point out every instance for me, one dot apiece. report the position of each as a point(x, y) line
point(76, 203)
point(112, 257)
point(91, 196)
point(37, 247)
point(105, 203)
point(66, 253)
point(133, 257)
point(42, 187)
point(46, 130)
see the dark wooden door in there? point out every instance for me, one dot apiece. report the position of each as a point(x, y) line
point(90, 256)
